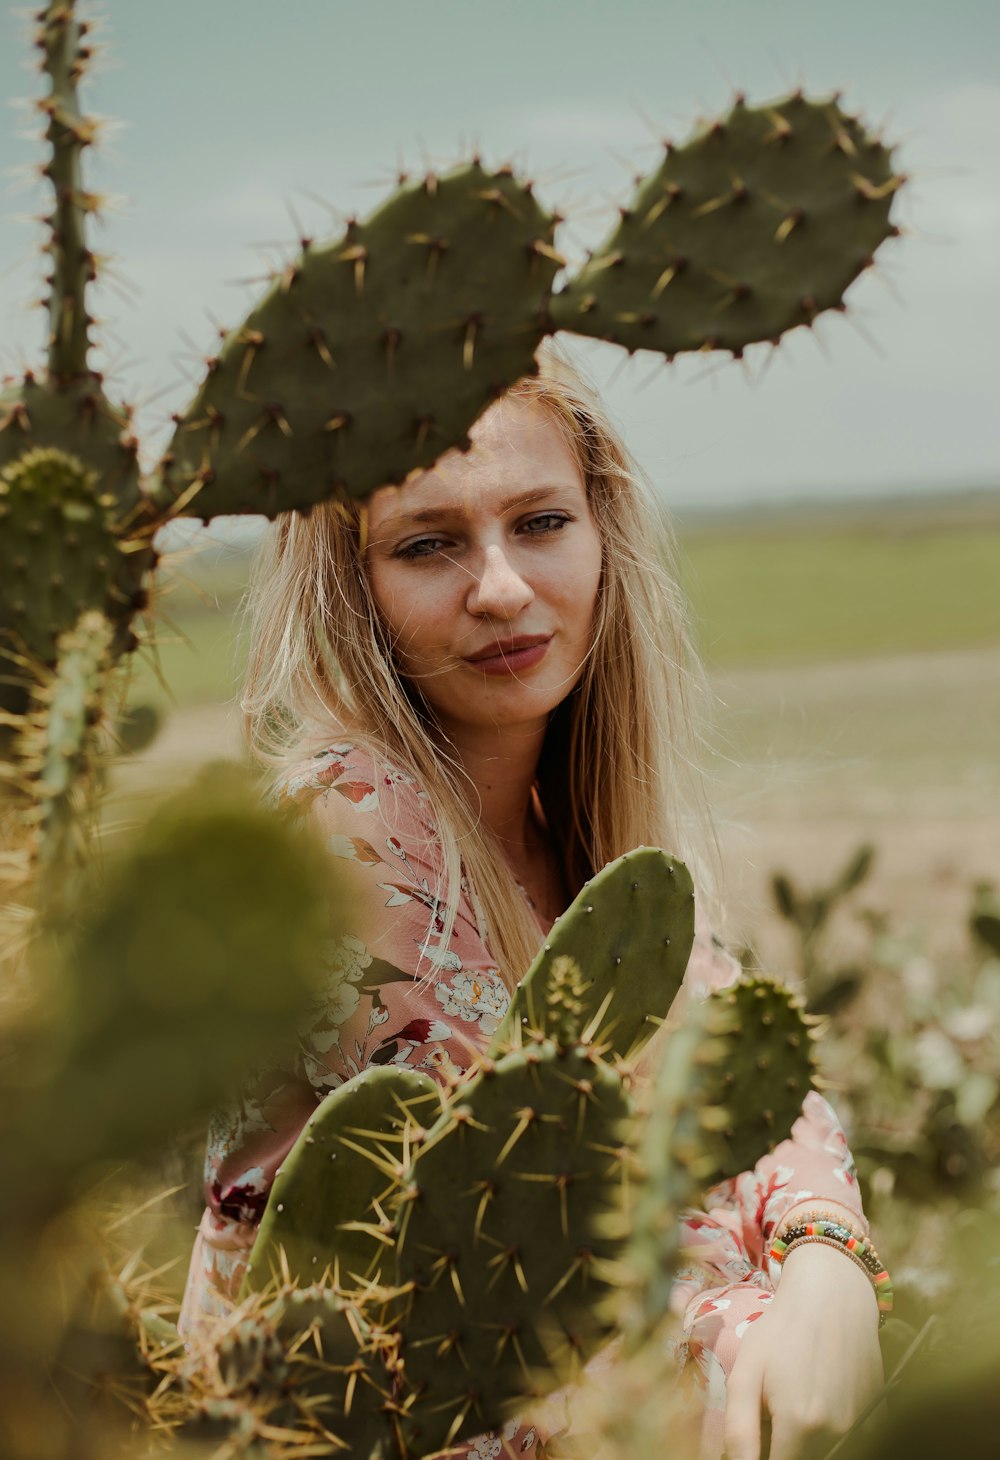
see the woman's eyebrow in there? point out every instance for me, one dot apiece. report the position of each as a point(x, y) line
point(426, 515)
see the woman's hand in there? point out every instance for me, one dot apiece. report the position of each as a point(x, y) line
point(811, 1362)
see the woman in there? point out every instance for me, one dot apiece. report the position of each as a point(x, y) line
point(479, 687)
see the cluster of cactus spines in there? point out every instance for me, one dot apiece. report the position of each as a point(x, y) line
point(328, 1203)
point(372, 354)
point(756, 225)
point(303, 1369)
point(630, 929)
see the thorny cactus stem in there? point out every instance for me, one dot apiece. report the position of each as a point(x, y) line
point(61, 39)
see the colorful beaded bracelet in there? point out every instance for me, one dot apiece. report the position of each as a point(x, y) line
point(836, 1234)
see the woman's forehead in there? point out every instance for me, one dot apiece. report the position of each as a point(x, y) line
point(518, 447)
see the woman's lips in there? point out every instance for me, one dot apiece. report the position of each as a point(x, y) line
point(513, 660)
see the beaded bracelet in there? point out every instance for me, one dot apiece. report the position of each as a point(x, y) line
point(836, 1234)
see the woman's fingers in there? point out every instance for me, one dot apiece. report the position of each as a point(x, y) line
point(743, 1407)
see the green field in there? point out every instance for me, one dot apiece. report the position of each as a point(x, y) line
point(770, 589)
point(799, 594)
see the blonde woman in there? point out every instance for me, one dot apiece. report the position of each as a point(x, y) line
point(480, 688)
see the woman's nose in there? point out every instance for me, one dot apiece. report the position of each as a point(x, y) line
point(498, 590)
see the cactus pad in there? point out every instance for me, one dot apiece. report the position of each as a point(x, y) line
point(756, 225)
point(372, 355)
point(497, 1239)
point(81, 421)
point(56, 751)
point(730, 1084)
point(59, 557)
point(342, 1164)
point(202, 942)
point(630, 932)
point(764, 1074)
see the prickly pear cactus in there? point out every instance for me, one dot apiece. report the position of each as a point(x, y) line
point(730, 1086)
point(630, 931)
point(327, 1206)
point(374, 353)
point(496, 1237)
point(756, 225)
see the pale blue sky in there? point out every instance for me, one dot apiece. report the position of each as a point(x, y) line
point(230, 111)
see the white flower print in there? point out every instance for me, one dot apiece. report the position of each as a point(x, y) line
point(348, 959)
point(338, 1008)
point(398, 896)
point(479, 997)
point(440, 957)
point(486, 1447)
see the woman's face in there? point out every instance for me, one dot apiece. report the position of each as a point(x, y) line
point(486, 568)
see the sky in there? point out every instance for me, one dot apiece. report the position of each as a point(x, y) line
point(233, 123)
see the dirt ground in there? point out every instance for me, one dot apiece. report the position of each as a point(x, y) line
point(810, 762)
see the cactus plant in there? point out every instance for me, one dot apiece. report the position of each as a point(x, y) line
point(373, 354)
point(322, 1215)
point(368, 358)
point(631, 930)
point(506, 1234)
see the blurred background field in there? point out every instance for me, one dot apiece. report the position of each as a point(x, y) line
point(854, 656)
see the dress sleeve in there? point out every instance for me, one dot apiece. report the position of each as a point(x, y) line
point(398, 988)
point(813, 1165)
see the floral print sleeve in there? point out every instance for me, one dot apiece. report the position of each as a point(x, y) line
point(396, 991)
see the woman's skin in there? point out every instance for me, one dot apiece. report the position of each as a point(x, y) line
point(477, 555)
point(484, 551)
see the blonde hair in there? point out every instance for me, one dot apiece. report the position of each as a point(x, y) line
point(619, 767)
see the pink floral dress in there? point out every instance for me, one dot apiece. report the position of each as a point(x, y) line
point(399, 993)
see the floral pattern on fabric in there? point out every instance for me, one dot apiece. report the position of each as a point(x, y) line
point(394, 991)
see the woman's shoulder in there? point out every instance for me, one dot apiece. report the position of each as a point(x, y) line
point(347, 781)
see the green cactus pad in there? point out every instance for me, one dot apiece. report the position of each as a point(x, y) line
point(56, 751)
point(321, 1212)
point(194, 960)
point(82, 422)
point(756, 225)
point(630, 932)
point(373, 354)
point(757, 1089)
point(59, 556)
point(729, 1085)
point(497, 1240)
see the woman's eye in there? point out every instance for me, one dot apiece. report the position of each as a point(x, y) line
point(423, 547)
point(546, 522)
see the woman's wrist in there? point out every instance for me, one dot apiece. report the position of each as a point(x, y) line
point(816, 1206)
point(821, 1273)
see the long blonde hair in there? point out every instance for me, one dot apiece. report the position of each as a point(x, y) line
point(620, 764)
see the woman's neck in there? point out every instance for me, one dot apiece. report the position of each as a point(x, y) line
point(502, 763)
